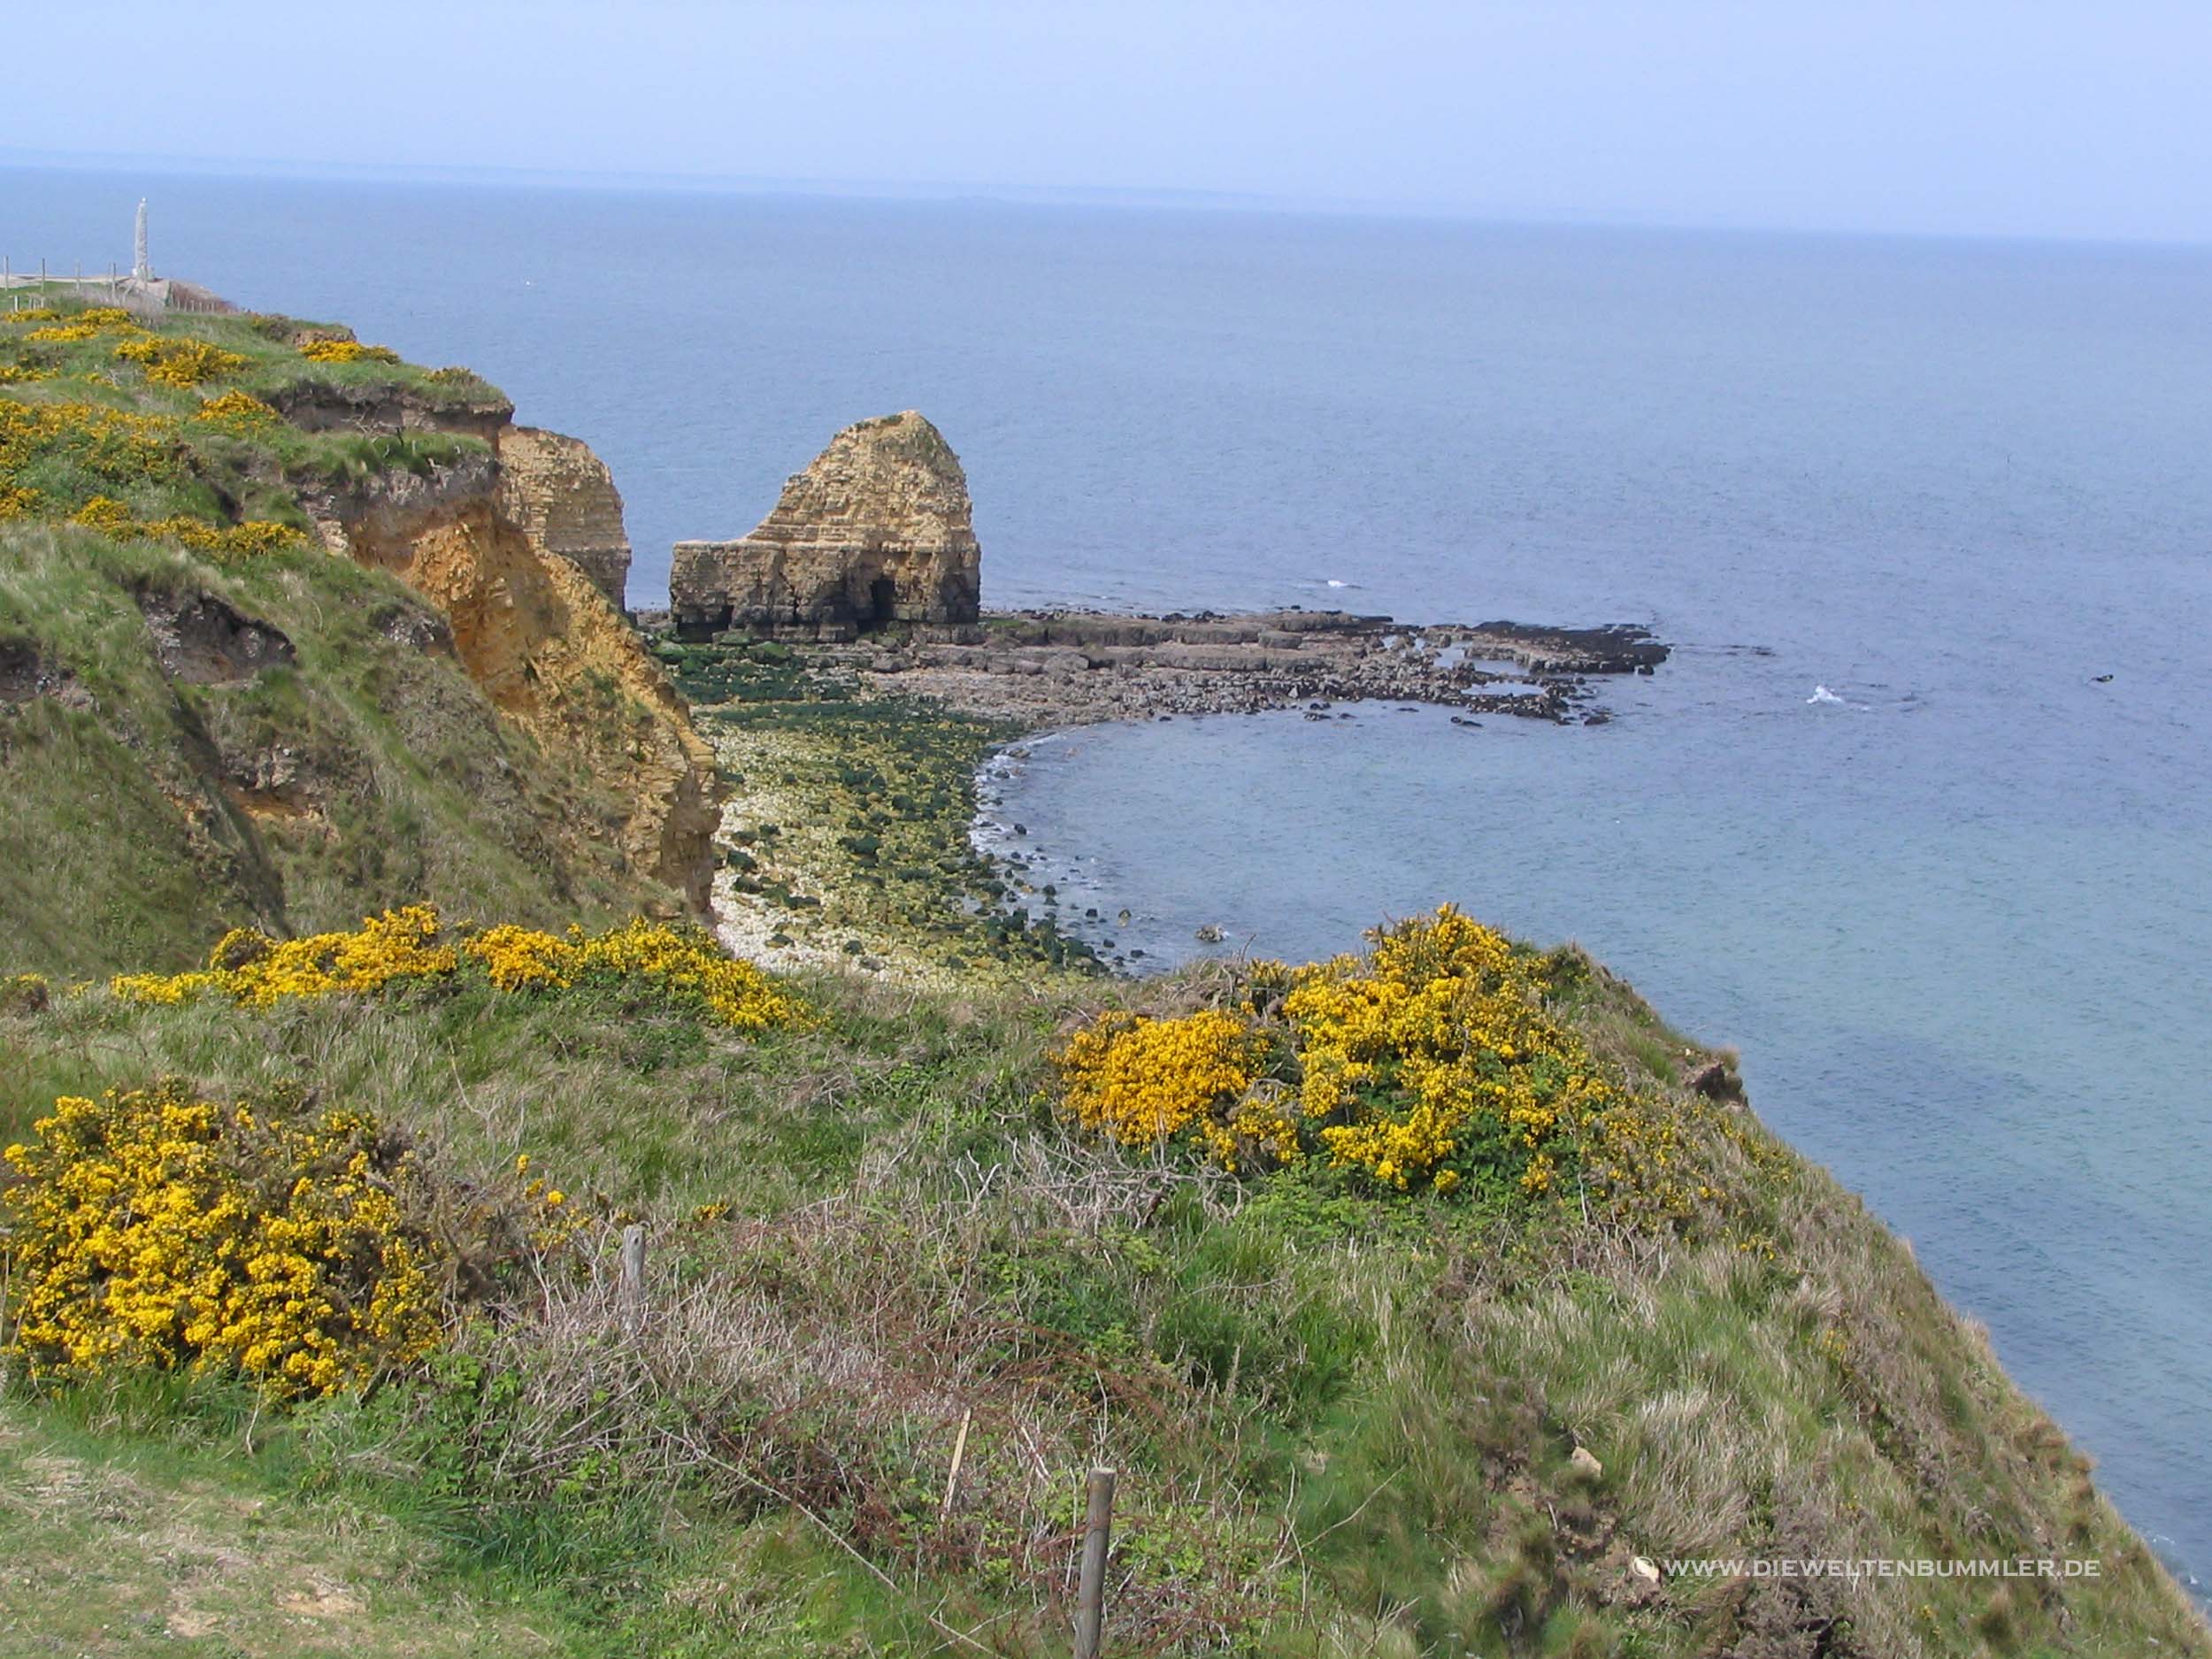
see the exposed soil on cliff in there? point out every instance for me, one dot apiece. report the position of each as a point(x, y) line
point(556, 656)
point(206, 642)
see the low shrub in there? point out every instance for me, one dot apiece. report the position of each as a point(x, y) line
point(181, 364)
point(251, 539)
point(237, 411)
point(153, 1229)
point(347, 351)
point(1443, 1059)
point(412, 945)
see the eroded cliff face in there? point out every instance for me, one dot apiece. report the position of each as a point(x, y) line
point(877, 530)
point(563, 497)
point(541, 637)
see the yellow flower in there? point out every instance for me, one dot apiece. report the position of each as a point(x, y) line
point(240, 410)
point(681, 967)
point(178, 363)
point(1436, 1050)
point(347, 351)
point(1143, 1081)
point(143, 1232)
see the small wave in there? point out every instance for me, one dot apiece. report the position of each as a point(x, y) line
point(1821, 693)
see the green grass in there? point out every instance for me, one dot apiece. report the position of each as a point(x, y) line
point(1344, 1422)
point(223, 475)
point(147, 811)
point(176, 1519)
point(115, 1540)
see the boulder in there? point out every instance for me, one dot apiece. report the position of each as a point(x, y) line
point(879, 530)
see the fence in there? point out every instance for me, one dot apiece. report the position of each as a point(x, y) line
point(633, 1306)
point(148, 295)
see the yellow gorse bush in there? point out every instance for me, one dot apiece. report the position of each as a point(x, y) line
point(178, 363)
point(113, 443)
point(1433, 1059)
point(412, 945)
point(689, 967)
point(125, 451)
point(240, 410)
point(64, 333)
point(1439, 1039)
point(154, 1229)
point(1143, 1081)
point(525, 959)
point(681, 964)
point(347, 351)
point(88, 324)
point(251, 539)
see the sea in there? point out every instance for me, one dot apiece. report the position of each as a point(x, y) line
point(1918, 817)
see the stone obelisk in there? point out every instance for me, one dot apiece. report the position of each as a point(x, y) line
point(142, 268)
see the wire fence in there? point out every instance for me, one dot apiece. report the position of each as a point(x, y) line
point(115, 286)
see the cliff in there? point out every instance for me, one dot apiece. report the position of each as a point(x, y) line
point(902, 1297)
point(562, 497)
point(877, 530)
point(205, 719)
point(540, 635)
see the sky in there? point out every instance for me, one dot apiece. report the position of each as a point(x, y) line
point(1974, 116)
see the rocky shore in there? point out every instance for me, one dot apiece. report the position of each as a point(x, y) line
point(869, 564)
point(1070, 668)
point(855, 767)
point(851, 686)
point(1073, 667)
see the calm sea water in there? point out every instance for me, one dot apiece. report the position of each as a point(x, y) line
point(1958, 923)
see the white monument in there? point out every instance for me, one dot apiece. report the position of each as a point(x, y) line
point(142, 268)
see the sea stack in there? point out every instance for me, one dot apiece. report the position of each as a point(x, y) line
point(877, 530)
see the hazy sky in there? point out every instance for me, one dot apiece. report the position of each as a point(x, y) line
point(2003, 116)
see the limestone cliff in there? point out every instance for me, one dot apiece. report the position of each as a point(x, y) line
point(877, 530)
point(541, 639)
point(563, 497)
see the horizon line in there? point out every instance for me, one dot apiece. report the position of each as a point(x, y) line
point(1155, 198)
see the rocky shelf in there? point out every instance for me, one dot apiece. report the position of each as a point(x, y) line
point(1071, 667)
point(868, 560)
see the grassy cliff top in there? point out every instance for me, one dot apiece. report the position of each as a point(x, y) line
point(206, 719)
point(1349, 1417)
point(212, 421)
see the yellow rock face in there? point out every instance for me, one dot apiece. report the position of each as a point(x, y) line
point(548, 648)
point(562, 497)
point(877, 530)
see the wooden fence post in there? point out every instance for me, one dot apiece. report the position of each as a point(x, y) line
point(632, 1293)
point(952, 1478)
point(1090, 1588)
